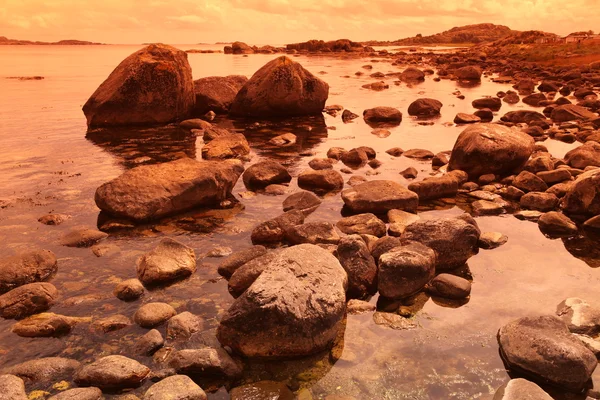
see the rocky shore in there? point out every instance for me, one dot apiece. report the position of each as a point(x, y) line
point(298, 279)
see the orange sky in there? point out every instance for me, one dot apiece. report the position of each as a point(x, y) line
point(279, 21)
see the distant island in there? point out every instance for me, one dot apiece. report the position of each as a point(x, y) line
point(4, 41)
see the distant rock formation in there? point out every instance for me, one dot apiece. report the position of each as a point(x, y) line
point(4, 41)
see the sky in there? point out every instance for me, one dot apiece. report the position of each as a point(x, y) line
point(279, 21)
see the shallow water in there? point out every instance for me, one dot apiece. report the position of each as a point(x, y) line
point(47, 164)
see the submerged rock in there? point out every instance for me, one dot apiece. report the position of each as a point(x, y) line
point(152, 86)
point(176, 387)
point(27, 300)
point(155, 191)
point(262, 390)
point(379, 197)
point(297, 305)
point(83, 238)
point(34, 266)
point(405, 270)
point(282, 87)
point(44, 325)
point(112, 372)
point(169, 261)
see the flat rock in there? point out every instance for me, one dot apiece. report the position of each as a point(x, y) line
point(54, 219)
point(584, 156)
point(492, 240)
point(83, 238)
point(383, 114)
point(312, 233)
point(362, 224)
point(379, 197)
point(555, 224)
point(112, 372)
point(262, 390)
point(450, 287)
point(44, 325)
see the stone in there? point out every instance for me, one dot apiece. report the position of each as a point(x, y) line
point(224, 147)
point(151, 315)
point(348, 116)
point(490, 149)
point(282, 87)
point(149, 343)
point(491, 103)
point(435, 187)
point(297, 305)
point(83, 238)
point(486, 207)
point(312, 233)
point(580, 316)
point(592, 224)
point(534, 99)
point(206, 361)
point(418, 154)
point(90, 393)
point(412, 74)
point(450, 287)
point(454, 240)
point(520, 389)
point(539, 201)
point(462, 118)
point(395, 152)
point(425, 108)
point(153, 86)
point(273, 231)
point(383, 114)
point(354, 157)
point(170, 261)
point(383, 245)
point(216, 93)
point(539, 164)
point(154, 191)
point(12, 388)
point(362, 224)
point(265, 173)
point(554, 176)
point(176, 387)
point(111, 324)
point(469, 73)
point(322, 181)
point(321, 163)
point(54, 219)
point(528, 215)
point(239, 258)
point(287, 139)
point(112, 372)
point(26, 300)
point(262, 390)
point(543, 348)
point(529, 182)
point(523, 117)
point(44, 370)
point(303, 201)
point(571, 112)
point(356, 306)
point(486, 115)
point(245, 276)
point(584, 156)
point(405, 270)
point(379, 196)
point(44, 325)
point(357, 261)
point(492, 240)
point(241, 48)
point(129, 290)
point(583, 197)
point(30, 267)
point(393, 321)
point(409, 173)
point(183, 325)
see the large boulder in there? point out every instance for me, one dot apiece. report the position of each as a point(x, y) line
point(34, 266)
point(543, 348)
point(168, 262)
point(155, 191)
point(379, 197)
point(152, 86)
point(216, 93)
point(571, 112)
point(405, 270)
point(425, 108)
point(241, 48)
point(111, 373)
point(454, 240)
point(281, 88)
point(583, 196)
point(27, 300)
point(584, 156)
point(294, 308)
point(490, 149)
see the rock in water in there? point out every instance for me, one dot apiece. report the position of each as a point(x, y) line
point(206, 362)
point(490, 149)
point(544, 348)
point(580, 316)
point(584, 156)
point(358, 262)
point(168, 262)
point(379, 197)
point(425, 108)
point(112, 372)
point(154, 191)
point(152, 86)
point(12, 388)
point(294, 308)
point(521, 389)
point(216, 93)
point(571, 112)
point(265, 173)
point(27, 300)
point(176, 387)
point(405, 270)
point(90, 393)
point(583, 196)
point(282, 87)
point(35, 266)
point(45, 369)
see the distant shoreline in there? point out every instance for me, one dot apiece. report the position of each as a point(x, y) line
point(4, 41)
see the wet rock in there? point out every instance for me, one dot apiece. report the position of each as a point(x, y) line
point(297, 304)
point(303, 201)
point(491, 103)
point(321, 181)
point(544, 348)
point(580, 316)
point(450, 287)
point(425, 108)
point(152, 86)
point(383, 114)
point(34, 266)
point(265, 173)
point(409, 173)
point(405, 270)
point(511, 98)
point(234, 145)
point(112, 372)
point(149, 343)
point(462, 118)
point(485, 114)
point(583, 197)
point(154, 191)
point(435, 187)
point(492, 240)
point(54, 219)
point(383, 245)
point(282, 87)
point(112, 323)
point(176, 387)
point(412, 74)
point(236, 260)
point(12, 388)
point(348, 116)
point(584, 156)
point(454, 240)
point(129, 290)
point(336, 153)
point(27, 300)
point(539, 164)
point(592, 224)
point(528, 215)
point(168, 262)
point(362, 224)
point(381, 133)
point(287, 139)
point(571, 112)
point(399, 220)
point(44, 325)
point(354, 157)
point(592, 344)
point(206, 361)
point(418, 154)
point(523, 116)
point(529, 182)
point(468, 73)
point(539, 201)
point(355, 258)
point(153, 314)
point(520, 389)
point(273, 231)
point(312, 233)
point(490, 149)
point(356, 306)
point(90, 393)
point(216, 93)
point(183, 325)
point(262, 390)
point(44, 370)
point(379, 197)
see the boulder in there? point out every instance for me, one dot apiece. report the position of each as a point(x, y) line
point(149, 343)
point(490, 149)
point(150, 87)
point(529, 182)
point(296, 304)
point(273, 231)
point(583, 196)
point(112, 372)
point(155, 191)
point(281, 88)
point(540, 201)
point(355, 258)
point(265, 173)
point(584, 156)
point(462, 118)
point(241, 48)
point(176, 387)
point(535, 99)
point(405, 270)
point(379, 197)
point(520, 389)
point(303, 201)
point(571, 112)
point(34, 266)
point(183, 326)
point(82, 238)
point(262, 390)
point(362, 224)
point(454, 240)
point(44, 325)
point(543, 348)
point(468, 73)
point(12, 388)
point(312, 233)
point(169, 261)
point(224, 147)
point(27, 300)
point(245, 276)
point(129, 290)
point(216, 93)
point(412, 74)
point(523, 117)
point(425, 108)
